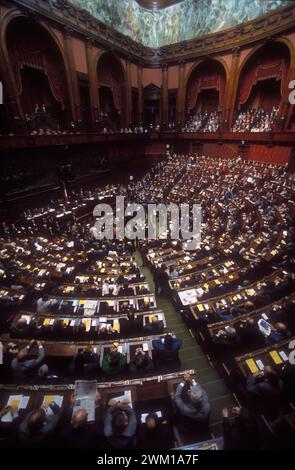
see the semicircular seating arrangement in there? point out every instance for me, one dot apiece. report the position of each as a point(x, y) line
point(74, 308)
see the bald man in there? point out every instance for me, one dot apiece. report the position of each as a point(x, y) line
point(80, 434)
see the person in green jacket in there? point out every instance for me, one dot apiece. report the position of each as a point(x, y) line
point(113, 361)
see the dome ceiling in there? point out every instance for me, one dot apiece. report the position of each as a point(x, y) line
point(159, 23)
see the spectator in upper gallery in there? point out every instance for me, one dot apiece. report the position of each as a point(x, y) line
point(120, 425)
point(240, 432)
point(166, 349)
point(192, 400)
point(114, 362)
point(155, 433)
point(38, 426)
point(265, 389)
point(140, 361)
point(22, 367)
point(255, 120)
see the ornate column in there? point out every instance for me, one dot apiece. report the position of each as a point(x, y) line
point(164, 97)
point(93, 87)
point(180, 94)
point(140, 93)
point(231, 90)
point(74, 88)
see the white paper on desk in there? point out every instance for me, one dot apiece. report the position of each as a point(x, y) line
point(188, 297)
point(102, 319)
point(22, 404)
point(125, 397)
point(72, 322)
point(144, 416)
point(145, 347)
point(58, 399)
point(27, 318)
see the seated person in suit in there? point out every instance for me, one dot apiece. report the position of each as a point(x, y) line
point(23, 367)
point(166, 349)
point(125, 291)
point(265, 389)
point(240, 432)
point(114, 362)
point(37, 427)
point(79, 433)
point(120, 425)
point(192, 401)
point(145, 305)
point(126, 307)
point(226, 338)
point(155, 433)
point(20, 328)
point(155, 326)
point(223, 315)
point(85, 362)
point(249, 333)
point(140, 361)
point(131, 325)
point(107, 331)
point(279, 333)
point(142, 290)
point(44, 305)
point(105, 308)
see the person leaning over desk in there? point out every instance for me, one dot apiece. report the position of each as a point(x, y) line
point(22, 367)
point(113, 361)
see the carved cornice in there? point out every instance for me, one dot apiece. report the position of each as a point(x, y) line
point(61, 13)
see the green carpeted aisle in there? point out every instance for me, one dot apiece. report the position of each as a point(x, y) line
point(193, 357)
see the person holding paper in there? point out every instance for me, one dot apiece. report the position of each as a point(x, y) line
point(120, 425)
point(192, 401)
point(140, 361)
point(114, 362)
point(22, 367)
point(278, 333)
point(37, 427)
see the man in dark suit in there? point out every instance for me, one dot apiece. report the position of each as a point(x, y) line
point(79, 434)
point(265, 390)
point(166, 349)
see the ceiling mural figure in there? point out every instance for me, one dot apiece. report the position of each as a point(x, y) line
point(179, 22)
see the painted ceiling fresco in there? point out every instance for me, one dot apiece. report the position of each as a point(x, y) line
point(179, 22)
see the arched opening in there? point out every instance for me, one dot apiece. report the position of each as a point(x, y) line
point(39, 74)
point(260, 88)
point(151, 105)
point(205, 96)
point(111, 89)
